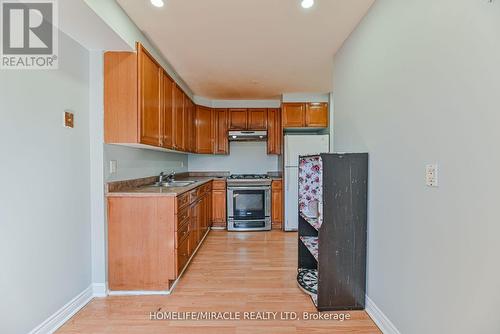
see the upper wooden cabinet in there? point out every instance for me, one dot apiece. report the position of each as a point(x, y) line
point(204, 130)
point(221, 131)
point(190, 133)
point(317, 115)
point(257, 119)
point(143, 105)
point(168, 115)
point(305, 115)
point(150, 78)
point(274, 131)
point(238, 119)
point(179, 100)
point(294, 115)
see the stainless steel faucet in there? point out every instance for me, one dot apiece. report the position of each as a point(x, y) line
point(170, 177)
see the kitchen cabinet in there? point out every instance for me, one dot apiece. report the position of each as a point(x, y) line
point(143, 107)
point(150, 77)
point(190, 133)
point(219, 203)
point(179, 101)
point(317, 115)
point(257, 119)
point(137, 258)
point(305, 115)
point(168, 114)
point(204, 130)
point(132, 98)
point(238, 119)
point(294, 115)
point(274, 131)
point(221, 131)
point(277, 203)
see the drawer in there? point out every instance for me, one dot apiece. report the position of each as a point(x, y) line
point(194, 194)
point(182, 216)
point(277, 184)
point(206, 188)
point(182, 201)
point(219, 185)
point(182, 233)
point(182, 255)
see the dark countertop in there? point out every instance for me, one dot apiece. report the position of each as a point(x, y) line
point(149, 190)
point(144, 187)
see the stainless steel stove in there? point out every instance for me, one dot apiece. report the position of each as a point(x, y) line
point(249, 202)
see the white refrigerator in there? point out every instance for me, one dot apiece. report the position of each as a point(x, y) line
point(296, 145)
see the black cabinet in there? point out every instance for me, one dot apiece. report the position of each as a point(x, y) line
point(333, 229)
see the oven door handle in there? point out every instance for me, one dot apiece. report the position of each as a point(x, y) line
point(248, 188)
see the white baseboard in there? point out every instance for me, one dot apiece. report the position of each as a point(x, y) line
point(382, 321)
point(138, 293)
point(56, 320)
point(99, 290)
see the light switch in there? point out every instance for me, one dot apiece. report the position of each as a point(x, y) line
point(431, 175)
point(112, 166)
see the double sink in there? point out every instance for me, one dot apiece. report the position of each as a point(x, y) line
point(174, 184)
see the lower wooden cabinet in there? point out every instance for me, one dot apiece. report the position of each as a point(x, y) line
point(137, 258)
point(219, 203)
point(183, 255)
point(277, 204)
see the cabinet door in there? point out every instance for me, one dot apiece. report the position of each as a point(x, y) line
point(219, 208)
point(178, 118)
point(277, 203)
point(168, 110)
point(150, 106)
point(187, 125)
point(294, 115)
point(193, 234)
point(221, 129)
point(209, 210)
point(193, 127)
point(257, 119)
point(317, 115)
point(238, 119)
point(274, 132)
point(204, 130)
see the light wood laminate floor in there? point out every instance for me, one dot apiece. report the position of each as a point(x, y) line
point(233, 272)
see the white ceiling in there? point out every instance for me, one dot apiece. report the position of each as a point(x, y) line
point(249, 49)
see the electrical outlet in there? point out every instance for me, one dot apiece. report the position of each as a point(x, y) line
point(431, 175)
point(68, 119)
point(112, 166)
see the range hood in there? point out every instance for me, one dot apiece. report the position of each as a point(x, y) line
point(247, 135)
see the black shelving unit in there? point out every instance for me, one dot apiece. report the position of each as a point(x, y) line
point(334, 246)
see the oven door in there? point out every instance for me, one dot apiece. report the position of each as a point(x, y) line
point(248, 203)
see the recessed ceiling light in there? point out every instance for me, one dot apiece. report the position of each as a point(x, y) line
point(307, 3)
point(157, 3)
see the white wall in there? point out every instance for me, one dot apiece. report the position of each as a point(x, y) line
point(305, 97)
point(114, 16)
point(134, 163)
point(44, 202)
point(244, 158)
point(418, 82)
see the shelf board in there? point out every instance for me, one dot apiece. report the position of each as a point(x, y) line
point(311, 244)
point(314, 222)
